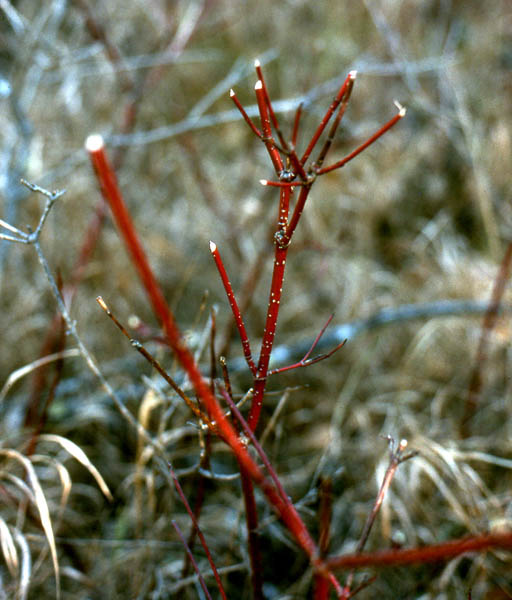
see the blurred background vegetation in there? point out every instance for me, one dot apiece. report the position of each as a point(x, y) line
point(424, 215)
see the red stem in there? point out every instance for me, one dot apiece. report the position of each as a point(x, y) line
point(334, 105)
point(296, 122)
point(334, 127)
point(434, 553)
point(199, 532)
point(297, 211)
point(272, 114)
point(246, 117)
point(276, 290)
point(253, 537)
point(246, 346)
point(192, 559)
point(362, 147)
point(275, 157)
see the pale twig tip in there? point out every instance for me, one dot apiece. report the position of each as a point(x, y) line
point(257, 63)
point(258, 85)
point(102, 303)
point(401, 109)
point(231, 93)
point(263, 181)
point(213, 246)
point(353, 74)
point(94, 142)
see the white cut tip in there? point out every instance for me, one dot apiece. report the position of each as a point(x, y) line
point(259, 85)
point(257, 63)
point(353, 74)
point(403, 444)
point(102, 303)
point(401, 109)
point(263, 181)
point(213, 246)
point(231, 93)
point(94, 143)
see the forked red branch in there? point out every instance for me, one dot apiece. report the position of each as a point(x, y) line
point(292, 173)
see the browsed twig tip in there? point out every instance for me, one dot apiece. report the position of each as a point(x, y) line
point(213, 246)
point(258, 85)
point(102, 303)
point(94, 142)
point(264, 181)
point(353, 74)
point(257, 63)
point(401, 109)
point(231, 93)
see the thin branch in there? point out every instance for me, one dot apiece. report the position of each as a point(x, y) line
point(425, 554)
point(379, 133)
point(198, 529)
point(158, 367)
point(330, 111)
point(192, 559)
point(246, 345)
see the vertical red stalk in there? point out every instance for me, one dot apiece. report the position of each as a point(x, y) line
point(276, 290)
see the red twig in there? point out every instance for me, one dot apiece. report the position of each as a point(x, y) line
point(192, 559)
point(265, 126)
point(253, 537)
point(301, 534)
point(297, 211)
point(369, 142)
point(330, 111)
point(325, 515)
point(199, 532)
point(434, 553)
point(246, 117)
point(272, 114)
point(296, 121)
point(334, 127)
point(489, 322)
point(281, 184)
point(306, 361)
point(246, 346)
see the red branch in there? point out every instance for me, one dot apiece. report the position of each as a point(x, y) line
point(330, 111)
point(369, 141)
point(199, 532)
point(438, 552)
point(246, 346)
point(112, 194)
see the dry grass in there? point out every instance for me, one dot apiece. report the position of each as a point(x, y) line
point(423, 215)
